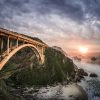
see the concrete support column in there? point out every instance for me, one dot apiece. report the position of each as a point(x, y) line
point(8, 45)
point(2, 44)
point(36, 46)
point(42, 54)
point(42, 50)
point(23, 42)
point(17, 43)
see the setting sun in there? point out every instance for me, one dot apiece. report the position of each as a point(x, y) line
point(83, 50)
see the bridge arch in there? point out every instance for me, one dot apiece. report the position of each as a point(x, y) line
point(36, 50)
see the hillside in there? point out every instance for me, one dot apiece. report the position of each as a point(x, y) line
point(24, 70)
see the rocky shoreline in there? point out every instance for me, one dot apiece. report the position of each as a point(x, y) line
point(57, 74)
point(81, 74)
point(57, 92)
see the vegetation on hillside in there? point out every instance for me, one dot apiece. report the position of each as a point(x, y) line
point(24, 70)
point(56, 68)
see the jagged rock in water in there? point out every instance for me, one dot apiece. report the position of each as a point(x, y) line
point(82, 72)
point(93, 75)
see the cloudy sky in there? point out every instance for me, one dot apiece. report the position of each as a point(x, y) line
point(65, 23)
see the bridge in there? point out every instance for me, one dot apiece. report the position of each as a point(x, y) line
point(11, 42)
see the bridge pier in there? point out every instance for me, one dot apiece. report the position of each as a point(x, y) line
point(41, 52)
point(1, 45)
point(43, 56)
point(17, 43)
point(8, 45)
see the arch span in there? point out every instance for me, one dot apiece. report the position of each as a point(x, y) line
point(6, 59)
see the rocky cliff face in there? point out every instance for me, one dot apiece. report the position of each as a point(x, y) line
point(56, 68)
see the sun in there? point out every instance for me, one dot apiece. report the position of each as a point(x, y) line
point(83, 50)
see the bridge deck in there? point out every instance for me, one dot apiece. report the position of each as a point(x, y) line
point(4, 32)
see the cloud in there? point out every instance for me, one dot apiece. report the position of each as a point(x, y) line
point(53, 20)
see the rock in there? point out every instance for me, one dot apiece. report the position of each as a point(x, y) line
point(77, 79)
point(82, 72)
point(85, 74)
point(93, 75)
point(74, 92)
point(80, 75)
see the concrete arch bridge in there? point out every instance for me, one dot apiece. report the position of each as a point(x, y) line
point(12, 42)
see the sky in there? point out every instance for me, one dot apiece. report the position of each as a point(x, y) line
point(68, 24)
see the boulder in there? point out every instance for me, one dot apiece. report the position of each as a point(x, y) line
point(93, 75)
point(74, 92)
point(82, 72)
point(85, 74)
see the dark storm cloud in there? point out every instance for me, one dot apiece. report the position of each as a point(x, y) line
point(81, 17)
point(92, 7)
point(73, 9)
point(9, 8)
point(66, 8)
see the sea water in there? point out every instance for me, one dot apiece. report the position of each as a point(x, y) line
point(90, 85)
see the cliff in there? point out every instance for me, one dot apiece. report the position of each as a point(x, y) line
point(24, 70)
